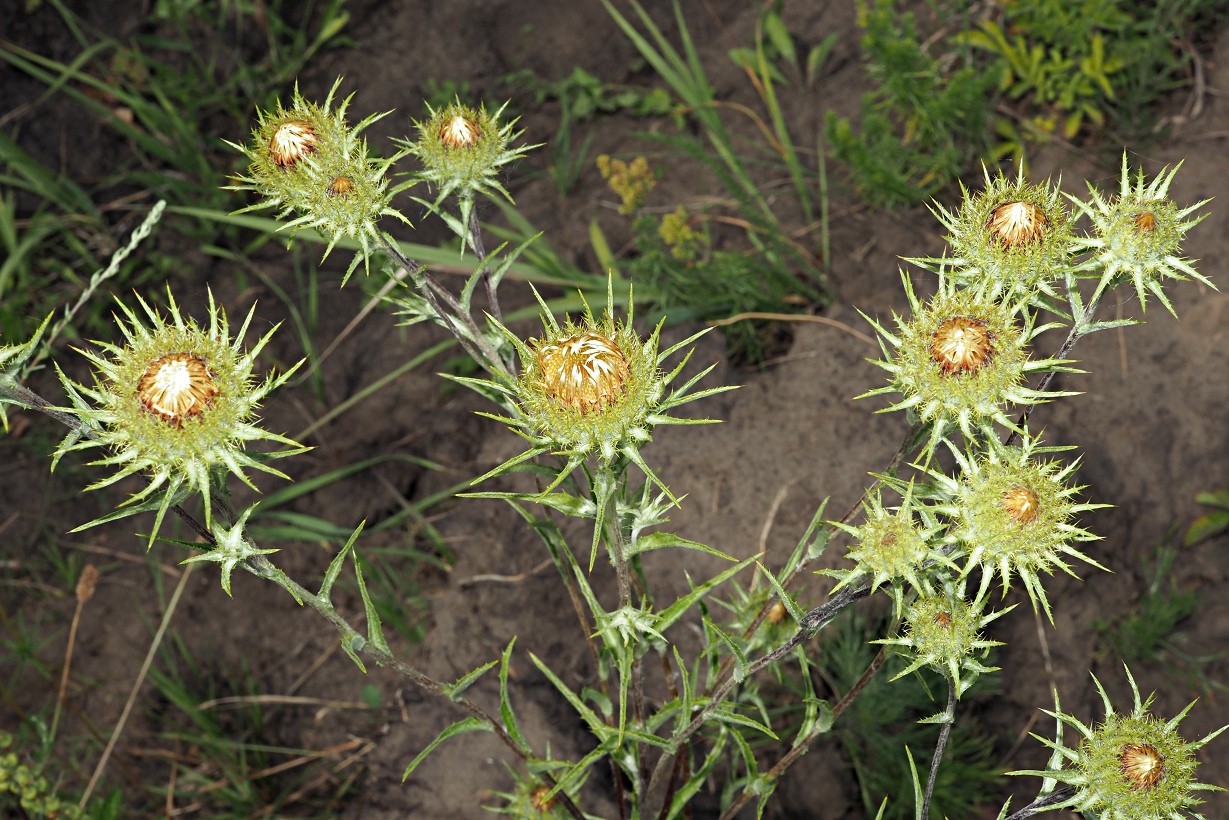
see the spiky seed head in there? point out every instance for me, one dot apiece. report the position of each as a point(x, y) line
point(309, 161)
point(1016, 224)
point(585, 372)
point(960, 361)
point(943, 630)
point(1011, 239)
point(1021, 504)
point(1131, 766)
point(1013, 515)
point(893, 547)
point(962, 344)
point(463, 150)
point(292, 140)
point(176, 405)
point(177, 386)
point(1137, 235)
point(1142, 765)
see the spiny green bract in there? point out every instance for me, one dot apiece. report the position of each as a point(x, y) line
point(1012, 239)
point(307, 159)
point(1138, 235)
point(960, 360)
point(1013, 514)
point(177, 453)
point(1132, 766)
point(943, 631)
point(893, 548)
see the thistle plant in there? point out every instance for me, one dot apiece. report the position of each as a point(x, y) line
point(588, 393)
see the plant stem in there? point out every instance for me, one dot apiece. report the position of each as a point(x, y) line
point(1041, 803)
point(950, 715)
point(475, 241)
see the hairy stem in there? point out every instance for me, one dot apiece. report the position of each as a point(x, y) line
point(1042, 803)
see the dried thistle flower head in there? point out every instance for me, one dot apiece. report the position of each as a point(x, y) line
point(292, 140)
point(1137, 236)
point(459, 131)
point(309, 161)
point(1009, 240)
point(593, 386)
point(960, 360)
point(1131, 766)
point(1013, 514)
point(175, 405)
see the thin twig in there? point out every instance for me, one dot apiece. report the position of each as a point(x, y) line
point(136, 686)
point(85, 591)
point(1041, 803)
point(950, 718)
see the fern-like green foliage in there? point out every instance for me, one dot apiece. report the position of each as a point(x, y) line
point(920, 127)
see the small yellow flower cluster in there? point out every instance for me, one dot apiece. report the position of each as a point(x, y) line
point(631, 181)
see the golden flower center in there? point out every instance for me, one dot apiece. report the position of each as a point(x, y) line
point(459, 132)
point(585, 372)
point(1022, 504)
point(944, 619)
point(1015, 224)
point(1145, 222)
point(962, 345)
point(1142, 765)
point(176, 387)
point(341, 186)
point(293, 140)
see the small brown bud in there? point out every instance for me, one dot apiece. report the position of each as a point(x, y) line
point(1145, 222)
point(1015, 224)
point(539, 800)
point(176, 387)
point(943, 619)
point(586, 372)
point(1021, 504)
point(86, 583)
point(291, 141)
point(962, 345)
point(459, 132)
point(341, 186)
point(777, 613)
point(1142, 765)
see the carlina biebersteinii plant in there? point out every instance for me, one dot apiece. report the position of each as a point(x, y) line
point(1012, 514)
point(307, 159)
point(1138, 235)
point(960, 360)
point(1012, 239)
point(175, 405)
point(1131, 766)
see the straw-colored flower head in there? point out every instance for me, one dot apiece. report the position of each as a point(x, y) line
point(893, 547)
point(1137, 236)
point(463, 150)
point(176, 405)
point(1013, 515)
point(943, 630)
point(1131, 766)
point(591, 387)
point(960, 360)
point(309, 161)
point(1010, 240)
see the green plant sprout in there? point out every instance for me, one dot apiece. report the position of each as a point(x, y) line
point(588, 394)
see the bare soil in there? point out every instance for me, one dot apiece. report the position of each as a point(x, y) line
point(1150, 424)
